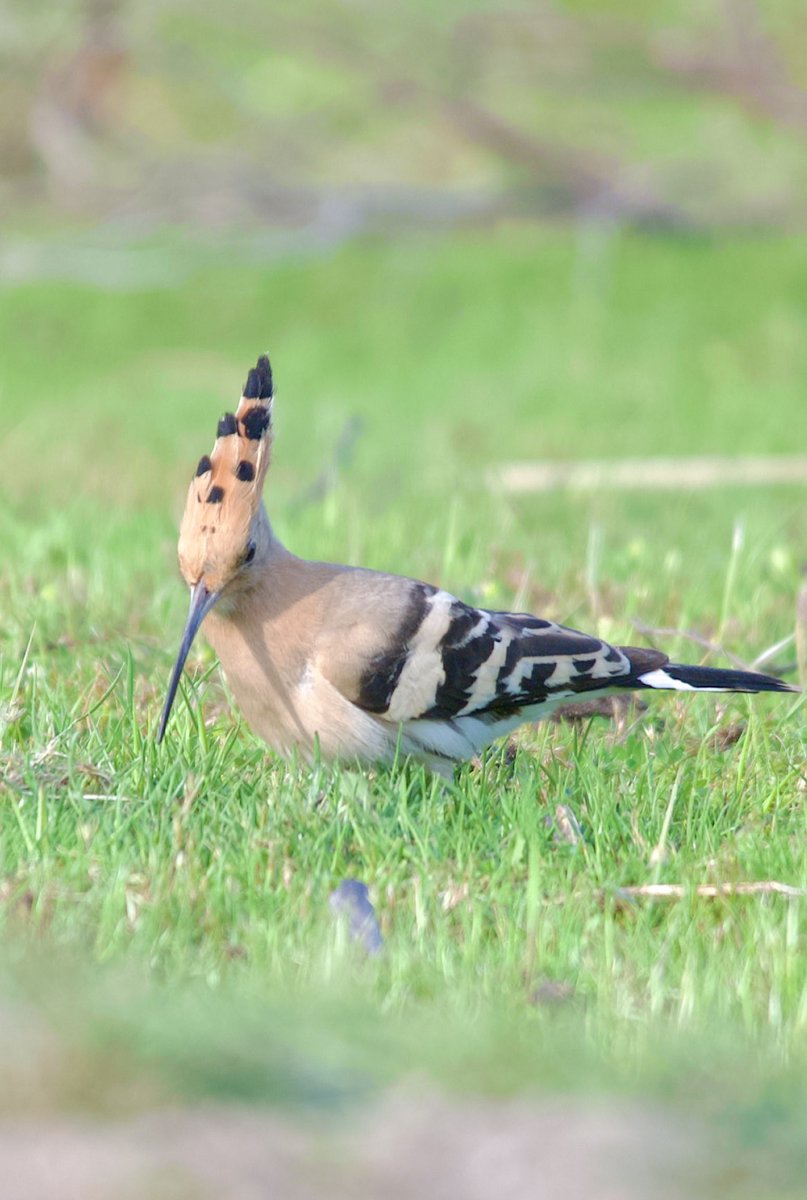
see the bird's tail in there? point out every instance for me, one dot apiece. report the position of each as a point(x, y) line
point(681, 678)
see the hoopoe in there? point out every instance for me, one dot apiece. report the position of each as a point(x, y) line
point(354, 664)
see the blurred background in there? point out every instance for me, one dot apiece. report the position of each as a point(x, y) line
point(596, 208)
point(337, 119)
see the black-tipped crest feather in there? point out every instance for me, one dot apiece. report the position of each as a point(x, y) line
point(227, 425)
point(255, 423)
point(259, 381)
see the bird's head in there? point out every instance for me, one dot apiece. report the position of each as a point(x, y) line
point(224, 531)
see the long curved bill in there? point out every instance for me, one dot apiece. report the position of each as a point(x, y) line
point(201, 603)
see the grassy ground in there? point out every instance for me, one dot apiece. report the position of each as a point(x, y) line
point(180, 894)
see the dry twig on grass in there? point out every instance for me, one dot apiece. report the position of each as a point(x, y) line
point(710, 891)
point(680, 891)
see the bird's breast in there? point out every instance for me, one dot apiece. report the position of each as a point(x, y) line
point(264, 674)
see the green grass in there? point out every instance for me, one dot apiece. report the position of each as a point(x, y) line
point(181, 892)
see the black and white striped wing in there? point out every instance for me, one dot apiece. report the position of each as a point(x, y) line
point(447, 660)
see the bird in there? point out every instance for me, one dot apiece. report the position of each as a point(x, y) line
point(331, 662)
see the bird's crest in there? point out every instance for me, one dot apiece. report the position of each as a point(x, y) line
point(226, 489)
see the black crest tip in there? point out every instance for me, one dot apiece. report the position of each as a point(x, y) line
point(226, 425)
point(259, 381)
point(255, 423)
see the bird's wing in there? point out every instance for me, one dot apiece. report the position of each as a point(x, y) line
point(432, 657)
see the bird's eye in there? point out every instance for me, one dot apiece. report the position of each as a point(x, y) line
point(250, 554)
